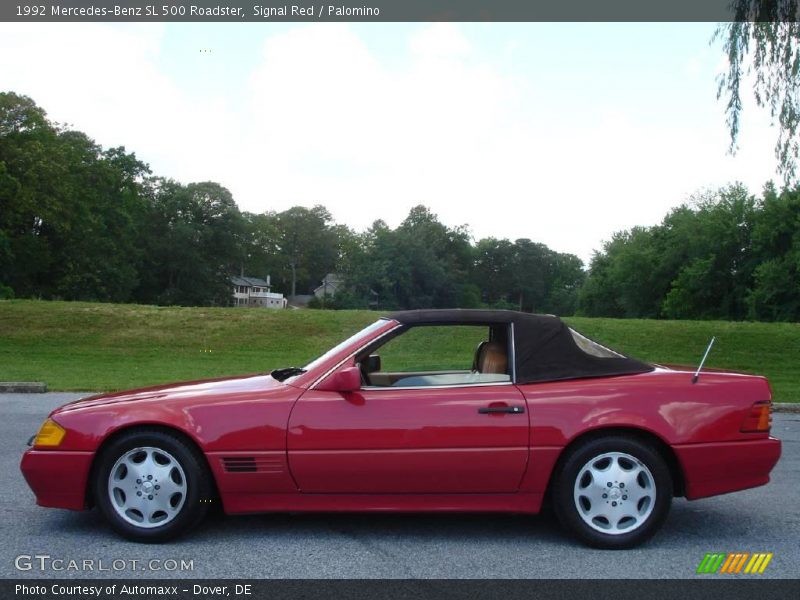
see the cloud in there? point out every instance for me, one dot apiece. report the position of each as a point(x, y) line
point(322, 116)
point(446, 128)
point(106, 80)
point(333, 122)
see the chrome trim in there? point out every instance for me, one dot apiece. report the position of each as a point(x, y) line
point(513, 355)
point(436, 387)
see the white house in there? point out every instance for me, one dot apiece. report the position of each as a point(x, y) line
point(331, 283)
point(255, 292)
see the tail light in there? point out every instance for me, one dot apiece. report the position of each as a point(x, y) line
point(759, 419)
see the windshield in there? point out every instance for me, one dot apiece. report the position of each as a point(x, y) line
point(361, 335)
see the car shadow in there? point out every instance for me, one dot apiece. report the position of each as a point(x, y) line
point(687, 522)
point(219, 528)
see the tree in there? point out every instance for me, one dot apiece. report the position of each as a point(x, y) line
point(763, 40)
point(19, 114)
point(624, 280)
point(566, 279)
point(69, 210)
point(698, 263)
point(718, 268)
point(493, 269)
point(96, 230)
point(191, 244)
point(260, 246)
point(30, 175)
point(531, 268)
point(420, 264)
point(433, 261)
point(307, 244)
point(375, 271)
point(775, 292)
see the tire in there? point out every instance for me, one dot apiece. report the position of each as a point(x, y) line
point(613, 492)
point(151, 485)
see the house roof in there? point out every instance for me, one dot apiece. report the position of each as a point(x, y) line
point(328, 285)
point(331, 281)
point(545, 349)
point(248, 281)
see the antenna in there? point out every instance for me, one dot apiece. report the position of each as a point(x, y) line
point(702, 362)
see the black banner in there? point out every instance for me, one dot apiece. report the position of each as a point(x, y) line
point(400, 589)
point(382, 10)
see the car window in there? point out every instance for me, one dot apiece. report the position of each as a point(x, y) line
point(433, 348)
point(593, 348)
point(436, 355)
point(363, 334)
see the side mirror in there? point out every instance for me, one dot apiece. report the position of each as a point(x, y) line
point(373, 363)
point(345, 380)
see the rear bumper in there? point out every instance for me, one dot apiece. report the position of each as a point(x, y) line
point(57, 478)
point(719, 468)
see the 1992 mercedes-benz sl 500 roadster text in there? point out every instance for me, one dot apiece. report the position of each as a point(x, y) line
point(524, 410)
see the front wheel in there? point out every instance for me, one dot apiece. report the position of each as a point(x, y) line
point(151, 485)
point(613, 492)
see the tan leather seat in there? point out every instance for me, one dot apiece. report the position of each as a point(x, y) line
point(492, 358)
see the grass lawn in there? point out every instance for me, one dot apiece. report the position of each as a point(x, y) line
point(88, 346)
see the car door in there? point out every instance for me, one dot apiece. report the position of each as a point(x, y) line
point(444, 440)
point(432, 439)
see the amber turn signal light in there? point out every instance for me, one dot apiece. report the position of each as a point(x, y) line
point(50, 434)
point(759, 419)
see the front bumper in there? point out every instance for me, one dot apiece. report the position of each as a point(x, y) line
point(719, 468)
point(58, 478)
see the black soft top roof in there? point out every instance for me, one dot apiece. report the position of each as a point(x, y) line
point(544, 347)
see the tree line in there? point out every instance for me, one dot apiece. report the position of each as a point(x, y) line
point(725, 255)
point(80, 222)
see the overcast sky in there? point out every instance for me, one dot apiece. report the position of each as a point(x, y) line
point(561, 133)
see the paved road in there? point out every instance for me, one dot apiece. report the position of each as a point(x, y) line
point(398, 546)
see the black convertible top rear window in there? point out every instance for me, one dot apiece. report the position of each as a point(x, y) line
point(545, 348)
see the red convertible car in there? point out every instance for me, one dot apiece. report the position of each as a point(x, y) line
point(434, 410)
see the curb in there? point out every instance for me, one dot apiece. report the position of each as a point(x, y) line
point(786, 407)
point(23, 387)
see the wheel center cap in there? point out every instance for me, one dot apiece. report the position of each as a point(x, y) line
point(614, 493)
point(147, 487)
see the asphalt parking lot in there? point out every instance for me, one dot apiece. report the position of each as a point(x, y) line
point(765, 519)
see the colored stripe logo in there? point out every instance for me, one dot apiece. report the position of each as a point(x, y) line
point(734, 563)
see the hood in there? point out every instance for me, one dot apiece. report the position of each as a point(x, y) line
point(211, 389)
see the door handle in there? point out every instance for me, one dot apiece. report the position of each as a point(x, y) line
point(489, 410)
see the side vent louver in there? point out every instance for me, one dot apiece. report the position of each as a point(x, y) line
point(240, 464)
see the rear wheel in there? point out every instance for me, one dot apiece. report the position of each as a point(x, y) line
point(151, 485)
point(613, 492)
